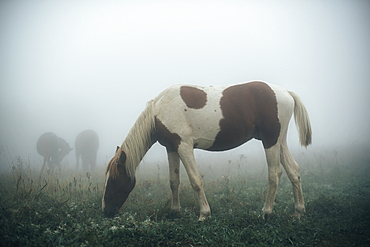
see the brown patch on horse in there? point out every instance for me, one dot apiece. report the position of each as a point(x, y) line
point(170, 140)
point(249, 111)
point(193, 97)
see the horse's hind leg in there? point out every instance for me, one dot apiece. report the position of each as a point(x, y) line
point(274, 174)
point(186, 154)
point(293, 171)
point(174, 164)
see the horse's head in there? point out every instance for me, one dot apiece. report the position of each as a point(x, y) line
point(64, 148)
point(118, 184)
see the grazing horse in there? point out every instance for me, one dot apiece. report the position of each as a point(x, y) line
point(86, 146)
point(215, 118)
point(53, 149)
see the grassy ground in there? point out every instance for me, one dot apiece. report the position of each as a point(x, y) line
point(65, 209)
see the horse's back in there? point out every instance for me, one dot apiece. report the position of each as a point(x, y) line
point(223, 117)
point(47, 144)
point(87, 141)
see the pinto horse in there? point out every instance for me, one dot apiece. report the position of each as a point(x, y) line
point(215, 118)
point(53, 149)
point(86, 146)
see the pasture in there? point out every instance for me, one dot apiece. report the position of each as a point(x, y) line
point(65, 209)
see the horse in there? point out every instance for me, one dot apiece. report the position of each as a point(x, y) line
point(53, 149)
point(215, 118)
point(86, 146)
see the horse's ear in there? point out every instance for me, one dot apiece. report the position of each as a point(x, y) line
point(117, 149)
point(122, 158)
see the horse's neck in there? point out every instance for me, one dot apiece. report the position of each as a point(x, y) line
point(62, 144)
point(139, 139)
point(135, 153)
point(138, 147)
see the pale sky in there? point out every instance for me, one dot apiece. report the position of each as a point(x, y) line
point(67, 66)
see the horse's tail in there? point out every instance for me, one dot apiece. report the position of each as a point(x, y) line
point(302, 121)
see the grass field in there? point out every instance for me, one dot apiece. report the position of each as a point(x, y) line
point(65, 209)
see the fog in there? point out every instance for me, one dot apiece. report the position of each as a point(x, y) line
point(67, 66)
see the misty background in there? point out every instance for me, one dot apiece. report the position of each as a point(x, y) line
point(68, 66)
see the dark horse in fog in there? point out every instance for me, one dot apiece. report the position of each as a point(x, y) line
point(53, 149)
point(86, 145)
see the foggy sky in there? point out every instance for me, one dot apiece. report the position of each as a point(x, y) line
point(67, 66)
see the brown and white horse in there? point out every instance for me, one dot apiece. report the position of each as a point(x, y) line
point(86, 146)
point(215, 118)
point(53, 149)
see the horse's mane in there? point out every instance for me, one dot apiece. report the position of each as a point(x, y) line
point(137, 142)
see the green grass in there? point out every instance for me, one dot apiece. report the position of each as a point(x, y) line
point(65, 209)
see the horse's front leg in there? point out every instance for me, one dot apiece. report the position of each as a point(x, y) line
point(174, 164)
point(186, 154)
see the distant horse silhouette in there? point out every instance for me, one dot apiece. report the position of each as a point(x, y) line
point(218, 118)
point(53, 149)
point(86, 146)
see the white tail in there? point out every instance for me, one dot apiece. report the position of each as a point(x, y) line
point(302, 121)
